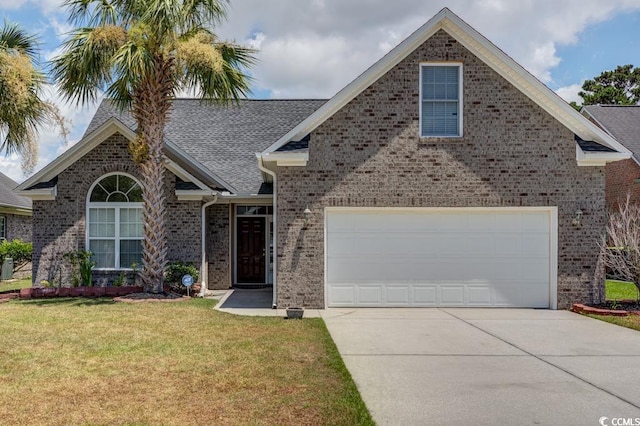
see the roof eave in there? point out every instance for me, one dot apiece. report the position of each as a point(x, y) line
point(287, 159)
point(588, 159)
point(41, 194)
point(19, 210)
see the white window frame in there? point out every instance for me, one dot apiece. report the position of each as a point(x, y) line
point(117, 207)
point(3, 227)
point(460, 98)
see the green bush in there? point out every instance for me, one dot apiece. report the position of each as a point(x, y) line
point(18, 250)
point(176, 270)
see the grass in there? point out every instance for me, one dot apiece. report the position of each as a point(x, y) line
point(15, 285)
point(92, 361)
point(630, 321)
point(620, 290)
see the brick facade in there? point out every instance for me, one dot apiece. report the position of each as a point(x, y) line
point(18, 226)
point(59, 225)
point(218, 247)
point(620, 178)
point(369, 154)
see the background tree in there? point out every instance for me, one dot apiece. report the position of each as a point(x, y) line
point(619, 87)
point(621, 247)
point(22, 109)
point(141, 53)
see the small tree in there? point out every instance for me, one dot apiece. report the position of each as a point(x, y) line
point(620, 87)
point(620, 247)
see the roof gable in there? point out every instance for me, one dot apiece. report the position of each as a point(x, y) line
point(487, 52)
point(77, 151)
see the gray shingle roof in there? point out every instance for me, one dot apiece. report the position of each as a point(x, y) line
point(8, 198)
point(225, 139)
point(622, 121)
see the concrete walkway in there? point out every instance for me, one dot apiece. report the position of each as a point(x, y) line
point(489, 366)
point(253, 302)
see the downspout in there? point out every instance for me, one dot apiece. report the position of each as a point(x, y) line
point(262, 168)
point(203, 263)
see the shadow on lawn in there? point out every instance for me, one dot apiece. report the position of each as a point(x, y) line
point(68, 301)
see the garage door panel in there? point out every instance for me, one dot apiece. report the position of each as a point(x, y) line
point(342, 294)
point(452, 295)
point(370, 295)
point(398, 295)
point(479, 295)
point(425, 295)
point(431, 258)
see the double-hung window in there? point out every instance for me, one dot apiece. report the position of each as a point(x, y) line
point(3, 228)
point(441, 100)
point(115, 226)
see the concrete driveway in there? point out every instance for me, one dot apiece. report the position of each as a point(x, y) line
point(489, 366)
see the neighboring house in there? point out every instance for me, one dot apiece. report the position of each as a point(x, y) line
point(15, 212)
point(445, 175)
point(623, 123)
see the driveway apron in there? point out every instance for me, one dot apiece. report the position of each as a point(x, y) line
point(489, 366)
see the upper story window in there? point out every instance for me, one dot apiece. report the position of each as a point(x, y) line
point(441, 100)
point(114, 222)
point(3, 228)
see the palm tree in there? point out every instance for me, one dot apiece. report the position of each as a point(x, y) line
point(22, 109)
point(140, 53)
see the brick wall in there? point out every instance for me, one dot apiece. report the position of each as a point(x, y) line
point(59, 225)
point(620, 178)
point(18, 226)
point(218, 254)
point(369, 154)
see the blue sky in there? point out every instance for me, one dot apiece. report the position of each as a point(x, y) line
point(312, 49)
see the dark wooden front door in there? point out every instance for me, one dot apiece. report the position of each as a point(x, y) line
point(251, 250)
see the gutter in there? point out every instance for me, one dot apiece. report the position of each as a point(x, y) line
point(263, 169)
point(203, 263)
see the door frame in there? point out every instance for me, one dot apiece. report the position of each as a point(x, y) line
point(552, 211)
point(267, 240)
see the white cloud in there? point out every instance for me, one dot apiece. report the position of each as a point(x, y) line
point(570, 93)
point(315, 48)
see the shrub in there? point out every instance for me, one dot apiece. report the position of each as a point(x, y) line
point(18, 250)
point(81, 266)
point(176, 270)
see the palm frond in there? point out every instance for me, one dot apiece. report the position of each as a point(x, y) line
point(85, 67)
point(13, 38)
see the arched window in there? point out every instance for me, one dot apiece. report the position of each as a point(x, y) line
point(114, 222)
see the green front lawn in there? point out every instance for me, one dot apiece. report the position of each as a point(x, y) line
point(620, 290)
point(630, 321)
point(93, 361)
point(15, 285)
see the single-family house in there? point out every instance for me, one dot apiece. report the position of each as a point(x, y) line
point(444, 175)
point(623, 123)
point(15, 212)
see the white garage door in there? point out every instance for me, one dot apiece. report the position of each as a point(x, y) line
point(440, 257)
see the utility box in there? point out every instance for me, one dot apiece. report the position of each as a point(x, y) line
point(7, 269)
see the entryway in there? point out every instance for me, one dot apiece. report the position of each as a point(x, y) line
point(253, 246)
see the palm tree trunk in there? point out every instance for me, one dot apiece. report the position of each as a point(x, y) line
point(150, 107)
